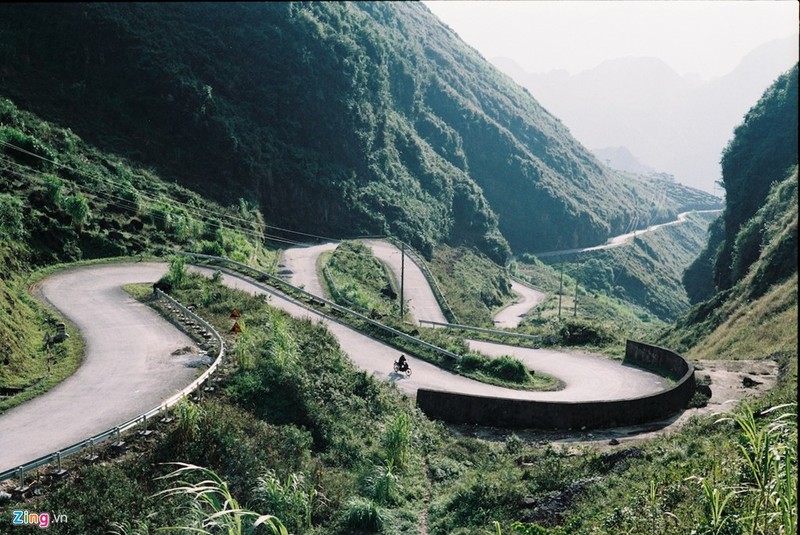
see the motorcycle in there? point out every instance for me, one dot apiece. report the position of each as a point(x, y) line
point(406, 369)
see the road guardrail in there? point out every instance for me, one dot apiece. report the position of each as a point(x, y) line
point(263, 277)
point(533, 337)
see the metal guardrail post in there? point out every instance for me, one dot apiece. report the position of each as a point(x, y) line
point(60, 472)
point(144, 432)
point(91, 457)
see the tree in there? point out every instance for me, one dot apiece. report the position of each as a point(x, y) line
point(78, 209)
point(11, 218)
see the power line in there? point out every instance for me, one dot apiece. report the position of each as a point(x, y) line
point(126, 204)
point(189, 208)
point(174, 201)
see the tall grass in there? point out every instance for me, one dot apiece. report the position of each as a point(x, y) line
point(291, 499)
point(397, 439)
point(212, 508)
point(768, 490)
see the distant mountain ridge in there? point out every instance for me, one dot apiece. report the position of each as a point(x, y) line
point(340, 119)
point(674, 124)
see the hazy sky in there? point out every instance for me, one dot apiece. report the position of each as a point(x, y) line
point(708, 38)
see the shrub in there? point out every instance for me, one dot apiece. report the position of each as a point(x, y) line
point(25, 149)
point(507, 368)
point(54, 188)
point(362, 514)
point(212, 248)
point(177, 271)
point(472, 362)
point(384, 484)
point(130, 198)
point(582, 333)
point(291, 500)
point(78, 209)
point(11, 217)
point(397, 439)
point(189, 416)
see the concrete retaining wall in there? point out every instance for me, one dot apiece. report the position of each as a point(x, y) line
point(515, 413)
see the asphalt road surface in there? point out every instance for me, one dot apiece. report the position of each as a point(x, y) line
point(128, 366)
point(301, 266)
point(416, 291)
point(511, 316)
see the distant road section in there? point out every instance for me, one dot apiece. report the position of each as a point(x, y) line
point(128, 366)
point(622, 239)
point(512, 315)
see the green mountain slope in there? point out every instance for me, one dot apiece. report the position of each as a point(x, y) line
point(762, 152)
point(757, 317)
point(645, 272)
point(752, 253)
point(334, 118)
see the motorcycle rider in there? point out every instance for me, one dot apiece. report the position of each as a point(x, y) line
point(402, 365)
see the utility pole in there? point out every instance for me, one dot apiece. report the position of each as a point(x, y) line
point(575, 308)
point(402, 275)
point(560, 288)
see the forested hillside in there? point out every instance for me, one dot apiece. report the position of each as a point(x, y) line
point(335, 118)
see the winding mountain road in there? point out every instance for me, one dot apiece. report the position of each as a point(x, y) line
point(300, 264)
point(512, 315)
point(130, 364)
point(586, 376)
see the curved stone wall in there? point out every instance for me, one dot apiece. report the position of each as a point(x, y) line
point(515, 413)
